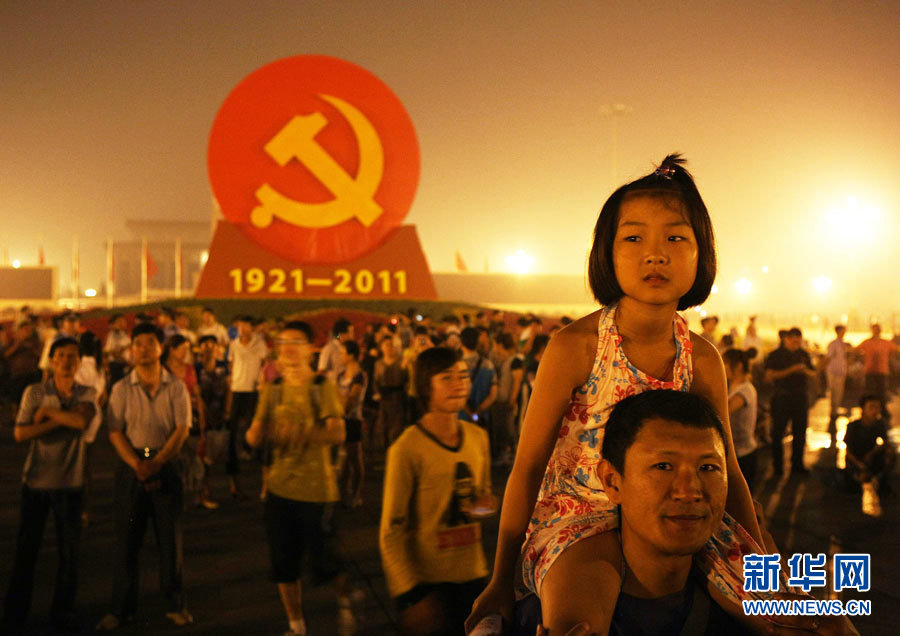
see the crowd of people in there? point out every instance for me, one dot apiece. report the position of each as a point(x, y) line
point(632, 448)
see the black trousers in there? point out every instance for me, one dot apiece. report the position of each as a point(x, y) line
point(243, 408)
point(36, 504)
point(135, 505)
point(793, 408)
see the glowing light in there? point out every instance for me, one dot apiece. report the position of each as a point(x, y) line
point(853, 223)
point(204, 256)
point(520, 262)
point(17, 263)
point(90, 293)
point(765, 269)
point(822, 283)
point(715, 289)
point(743, 286)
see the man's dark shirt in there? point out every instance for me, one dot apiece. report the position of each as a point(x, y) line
point(689, 611)
point(780, 359)
point(860, 439)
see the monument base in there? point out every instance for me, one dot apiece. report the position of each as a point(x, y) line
point(239, 268)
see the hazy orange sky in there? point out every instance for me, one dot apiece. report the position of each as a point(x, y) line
point(784, 110)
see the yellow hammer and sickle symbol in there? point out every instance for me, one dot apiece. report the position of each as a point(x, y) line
point(353, 197)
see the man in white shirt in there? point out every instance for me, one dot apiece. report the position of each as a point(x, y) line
point(330, 357)
point(209, 326)
point(836, 369)
point(245, 358)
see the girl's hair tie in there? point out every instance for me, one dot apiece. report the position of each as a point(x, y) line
point(666, 172)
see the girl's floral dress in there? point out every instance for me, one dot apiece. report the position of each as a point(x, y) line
point(572, 504)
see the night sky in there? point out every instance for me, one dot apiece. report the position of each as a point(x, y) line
point(787, 113)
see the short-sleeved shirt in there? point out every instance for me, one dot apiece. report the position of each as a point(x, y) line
point(876, 355)
point(55, 460)
point(505, 377)
point(147, 421)
point(837, 357)
point(860, 439)
point(330, 359)
point(246, 360)
point(483, 377)
point(743, 421)
point(117, 341)
point(782, 358)
point(216, 330)
point(345, 383)
point(214, 391)
point(300, 471)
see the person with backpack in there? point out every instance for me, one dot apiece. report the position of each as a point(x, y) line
point(483, 379)
point(299, 418)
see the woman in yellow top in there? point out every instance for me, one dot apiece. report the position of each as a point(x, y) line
point(437, 486)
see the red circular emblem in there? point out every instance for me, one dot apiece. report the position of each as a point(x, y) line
point(313, 158)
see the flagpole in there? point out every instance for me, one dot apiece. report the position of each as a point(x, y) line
point(144, 255)
point(178, 267)
point(110, 276)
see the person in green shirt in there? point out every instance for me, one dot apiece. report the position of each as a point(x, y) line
point(299, 418)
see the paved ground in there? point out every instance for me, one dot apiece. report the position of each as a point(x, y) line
point(226, 571)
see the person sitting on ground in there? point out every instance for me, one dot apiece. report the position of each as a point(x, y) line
point(870, 455)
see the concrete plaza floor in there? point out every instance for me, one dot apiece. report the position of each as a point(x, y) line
point(226, 557)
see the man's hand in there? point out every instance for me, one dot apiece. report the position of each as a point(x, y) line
point(40, 415)
point(146, 468)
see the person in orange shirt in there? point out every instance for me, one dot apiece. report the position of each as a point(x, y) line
point(876, 353)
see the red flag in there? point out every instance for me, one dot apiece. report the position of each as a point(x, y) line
point(152, 268)
point(460, 264)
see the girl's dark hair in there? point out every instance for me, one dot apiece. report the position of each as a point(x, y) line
point(671, 179)
point(351, 347)
point(90, 345)
point(428, 364)
point(172, 343)
point(734, 357)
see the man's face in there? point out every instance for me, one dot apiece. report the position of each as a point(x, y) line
point(245, 329)
point(119, 324)
point(793, 342)
point(450, 389)
point(871, 411)
point(208, 318)
point(876, 331)
point(840, 332)
point(294, 349)
point(145, 349)
point(208, 347)
point(674, 487)
point(70, 326)
point(65, 361)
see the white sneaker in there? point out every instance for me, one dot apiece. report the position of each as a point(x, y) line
point(871, 503)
